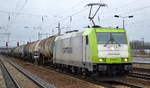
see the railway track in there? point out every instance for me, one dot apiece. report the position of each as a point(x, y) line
point(107, 84)
point(12, 82)
point(9, 80)
point(142, 69)
point(145, 67)
point(140, 75)
point(118, 84)
point(114, 84)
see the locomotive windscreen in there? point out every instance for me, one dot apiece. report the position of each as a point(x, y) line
point(111, 37)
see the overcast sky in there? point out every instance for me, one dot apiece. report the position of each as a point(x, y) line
point(23, 18)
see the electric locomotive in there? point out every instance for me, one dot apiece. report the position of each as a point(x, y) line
point(101, 51)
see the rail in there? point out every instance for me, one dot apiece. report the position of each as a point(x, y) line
point(127, 84)
point(106, 84)
point(141, 69)
point(141, 63)
point(37, 80)
point(139, 75)
point(10, 81)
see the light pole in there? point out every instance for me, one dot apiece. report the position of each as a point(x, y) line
point(123, 19)
point(142, 42)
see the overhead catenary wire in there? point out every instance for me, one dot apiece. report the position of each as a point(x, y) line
point(17, 5)
point(78, 12)
point(64, 18)
point(140, 22)
point(125, 5)
point(38, 15)
point(73, 14)
point(136, 10)
point(34, 14)
point(76, 5)
point(23, 13)
point(17, 14)
point(127, 11)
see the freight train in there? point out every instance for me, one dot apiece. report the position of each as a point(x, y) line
point(94, 51)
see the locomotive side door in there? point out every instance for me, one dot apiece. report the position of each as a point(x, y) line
point(85, 49)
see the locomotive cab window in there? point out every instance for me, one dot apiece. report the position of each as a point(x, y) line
point(105, 37)
point(86, 39)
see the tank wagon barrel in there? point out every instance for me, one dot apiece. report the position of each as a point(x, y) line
point(41, 50)
point(26, 50)
point(46, 48)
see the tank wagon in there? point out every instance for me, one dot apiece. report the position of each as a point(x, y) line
point(45, 52)
point(94, 51)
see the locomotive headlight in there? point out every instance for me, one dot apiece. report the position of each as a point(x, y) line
point(112, 48)
point(100, 59)
point(125, 59)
